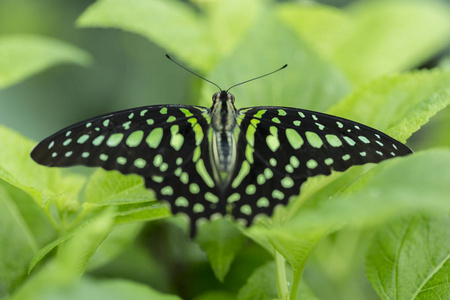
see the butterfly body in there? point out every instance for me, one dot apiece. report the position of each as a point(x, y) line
point(223, 141)
point(219, 160)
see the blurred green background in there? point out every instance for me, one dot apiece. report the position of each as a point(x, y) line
point(128, 70)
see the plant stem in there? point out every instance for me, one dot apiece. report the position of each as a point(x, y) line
point(295, 285)
point(281, 276)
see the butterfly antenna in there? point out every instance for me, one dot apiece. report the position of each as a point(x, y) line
point(257, 77)
point(180, 65)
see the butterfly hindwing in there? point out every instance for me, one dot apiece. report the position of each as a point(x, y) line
point(281, 147)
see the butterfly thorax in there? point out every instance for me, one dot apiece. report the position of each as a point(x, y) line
point(222, 141)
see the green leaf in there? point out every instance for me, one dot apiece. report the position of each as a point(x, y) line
point(114, 188)
point(308, 82)
point(142, 212)
point(86, 218)
point(398, 104)
point(393, 187)
point(296, 249)
point(262, 285)
point(46, 185)
point(410, 259)
point(168, 17)
point(120, 238)
point(91, 289)
point(216, 295)
point(221, 240)
point(79, 249)
point(71, 260)
point(402, 34)
point(23, 229)
point(111, 289)
point(134, 202)
point(25, 55)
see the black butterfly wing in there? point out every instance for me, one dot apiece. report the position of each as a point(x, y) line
point(165, 144)
point(281, 147)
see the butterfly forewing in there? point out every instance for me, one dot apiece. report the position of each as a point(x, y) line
point(131, 141)
point(281, 147)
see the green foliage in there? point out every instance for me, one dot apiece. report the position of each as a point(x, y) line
point(65, 234)
point(408, 260)
point(221, 241)
point(25, 55)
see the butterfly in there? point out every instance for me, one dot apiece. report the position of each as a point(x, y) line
point(219, 160)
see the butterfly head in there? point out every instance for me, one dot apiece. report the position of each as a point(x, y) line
point(223, 98)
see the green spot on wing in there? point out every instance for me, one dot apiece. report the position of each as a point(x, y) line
point(176, 139)
point(294, 138)
point(201, 169)
point(245, 169)
point(67, 142)
point(312, 164)
point(198, 208)
point(126, 125)
point(249, 153)
point(276, 194)
point(282, 112)
point(272, 140)
point(287, 182)
point(186, 112)
point(251, 189)
point(261, 179)
point(194, 188)
point(157, 160)
point(268, 173)
point(211, 197)
point(184, 177)
point(114, 139)
point(246, 209)
point(98, 140)
point(250, 135)
point(140, 163)
point(262, 202)
point(260, 113)
point(181, 201)
point(197, 154)
point(167, 190)
point(349, 141)
point(314, 139)
point(154, 137)
point(157, 179)
point(234, 197)
point(364, 139)
point(294, 161)
point(273, 162)
point(135, 138)
point(333, 140)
